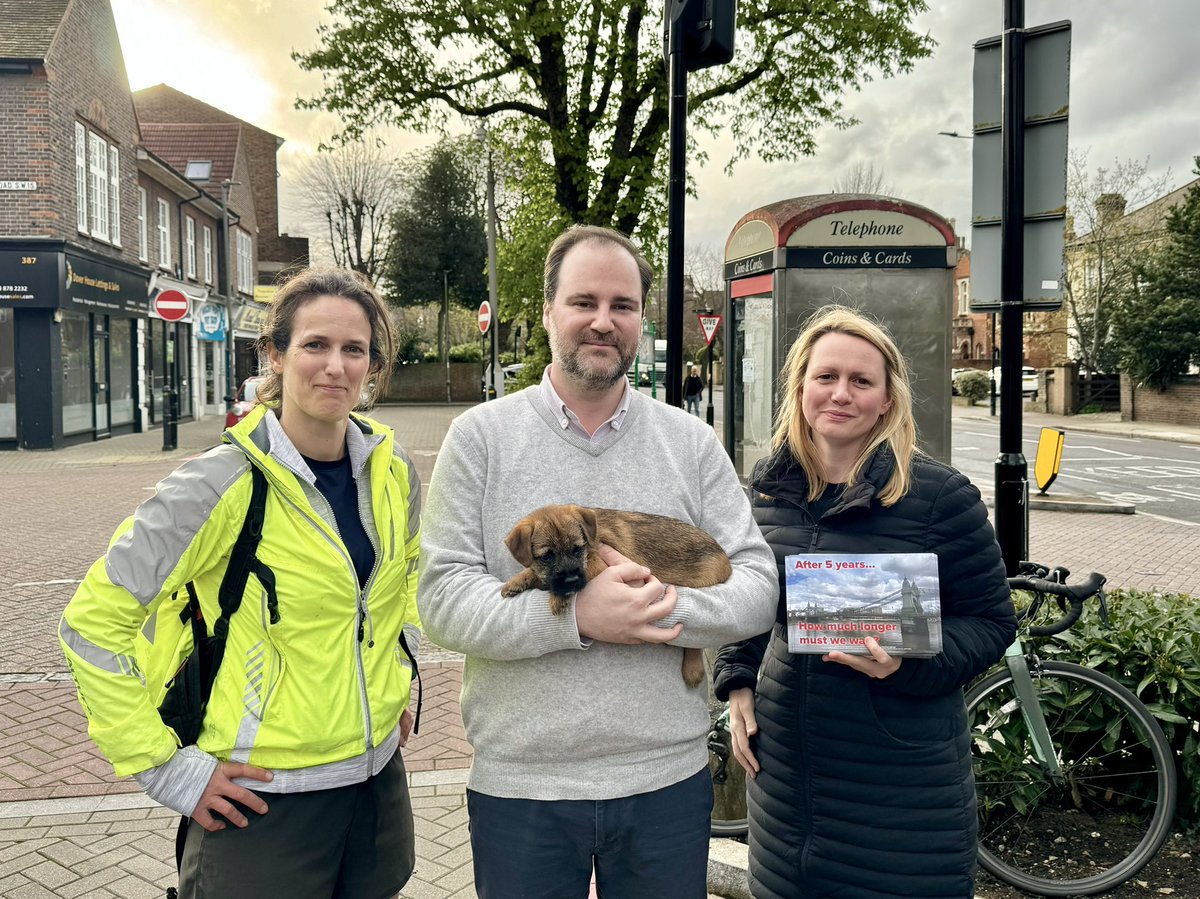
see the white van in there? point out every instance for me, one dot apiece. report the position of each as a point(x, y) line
point(660, 366)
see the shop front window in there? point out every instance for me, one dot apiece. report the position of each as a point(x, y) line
point(120, 350)
point(76, 374)
point(183, 371)
point(8, 377)
point(156, 353)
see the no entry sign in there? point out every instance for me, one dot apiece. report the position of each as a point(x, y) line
point(485, 316)
point(171, 305)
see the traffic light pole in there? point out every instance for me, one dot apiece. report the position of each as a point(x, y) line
point(1012, 472)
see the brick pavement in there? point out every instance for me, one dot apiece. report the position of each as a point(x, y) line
point(69, 828)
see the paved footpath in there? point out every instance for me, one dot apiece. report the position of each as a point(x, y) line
point(68, 828)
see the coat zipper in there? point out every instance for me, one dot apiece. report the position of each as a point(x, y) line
point(360, 596)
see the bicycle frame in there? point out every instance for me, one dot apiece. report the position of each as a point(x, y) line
point(1031, 709)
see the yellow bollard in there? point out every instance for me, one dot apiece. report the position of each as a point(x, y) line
point(1049, 458)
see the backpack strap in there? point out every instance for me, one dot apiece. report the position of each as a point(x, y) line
point(242, 561)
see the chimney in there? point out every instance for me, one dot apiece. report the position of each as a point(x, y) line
point(1110, 207)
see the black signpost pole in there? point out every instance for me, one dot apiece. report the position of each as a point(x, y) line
point(709, 410)
point(676, 197)
point(698, 34)
point(1012, 485)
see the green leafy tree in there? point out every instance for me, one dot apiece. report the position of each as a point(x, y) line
point(583, 85)
point(1158, 329)
point(438, 235)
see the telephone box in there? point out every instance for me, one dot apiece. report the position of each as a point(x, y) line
point(889, 258)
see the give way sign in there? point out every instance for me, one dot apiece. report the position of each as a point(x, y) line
point(709, 323)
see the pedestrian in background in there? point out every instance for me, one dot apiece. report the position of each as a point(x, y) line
point(298, 749)
point(589, 748)
point(693, 389)
point(861, 764)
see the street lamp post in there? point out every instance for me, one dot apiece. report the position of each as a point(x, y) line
point(230, 388)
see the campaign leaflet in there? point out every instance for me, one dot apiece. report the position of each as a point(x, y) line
point(836, 600)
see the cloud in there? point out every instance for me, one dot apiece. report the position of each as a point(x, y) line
point(236, 55)
point(1118, 110)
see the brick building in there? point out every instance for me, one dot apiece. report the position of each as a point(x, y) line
point(72, 290)
point(108, 199)
point(277, 253)
point(181, 128)
point(972, 333)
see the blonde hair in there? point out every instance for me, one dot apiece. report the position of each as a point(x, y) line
point(306, 286)
point(896, 427)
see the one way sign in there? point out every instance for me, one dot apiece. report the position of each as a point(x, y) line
point(709, 323)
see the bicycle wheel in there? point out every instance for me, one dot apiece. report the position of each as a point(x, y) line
point(1109, 813)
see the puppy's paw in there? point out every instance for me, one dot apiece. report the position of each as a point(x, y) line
point(526, 580)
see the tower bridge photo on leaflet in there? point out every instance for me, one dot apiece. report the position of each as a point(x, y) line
point(836, 601)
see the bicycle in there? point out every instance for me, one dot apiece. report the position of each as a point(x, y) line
point(1075, 781)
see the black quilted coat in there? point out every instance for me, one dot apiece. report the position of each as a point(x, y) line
point(866, 789)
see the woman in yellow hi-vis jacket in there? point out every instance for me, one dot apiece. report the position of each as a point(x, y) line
point(299, 747)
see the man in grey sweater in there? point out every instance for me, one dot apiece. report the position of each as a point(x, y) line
point(589, 748)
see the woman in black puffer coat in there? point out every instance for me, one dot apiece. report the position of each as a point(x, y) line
point(861, 764)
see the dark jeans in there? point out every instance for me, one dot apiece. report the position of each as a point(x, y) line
point(650, 846)
point(693, 403)
point(351, 842)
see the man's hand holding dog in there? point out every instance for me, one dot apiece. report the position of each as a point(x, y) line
point(623, 602)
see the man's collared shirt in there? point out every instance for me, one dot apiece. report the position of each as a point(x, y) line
point(569, 421)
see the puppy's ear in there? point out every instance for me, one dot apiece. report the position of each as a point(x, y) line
point(587, 517)
point(518, 542)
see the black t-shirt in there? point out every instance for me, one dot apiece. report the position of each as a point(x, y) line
point(336, 483)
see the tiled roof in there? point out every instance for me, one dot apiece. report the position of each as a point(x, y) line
point(29, 27)
point(163, 103)
point(178, 144)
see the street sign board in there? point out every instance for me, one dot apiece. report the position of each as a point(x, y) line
point(485, 316)
point(1047, 88)
point(709, 323)
point(1047, 61)
point(171, 305)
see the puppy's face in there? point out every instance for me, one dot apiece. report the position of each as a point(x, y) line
point(554, 542)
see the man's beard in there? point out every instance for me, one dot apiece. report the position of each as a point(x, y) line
point(593, 375)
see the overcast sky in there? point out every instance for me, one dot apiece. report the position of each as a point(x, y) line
point(1134, 94)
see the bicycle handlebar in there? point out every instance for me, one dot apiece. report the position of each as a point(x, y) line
point(1037, 580)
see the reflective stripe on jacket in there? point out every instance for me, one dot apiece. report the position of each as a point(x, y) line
point(326, 683)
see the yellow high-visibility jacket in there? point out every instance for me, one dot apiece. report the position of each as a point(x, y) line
point(324, 687)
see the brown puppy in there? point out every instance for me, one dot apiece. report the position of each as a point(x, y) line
point(557, 544)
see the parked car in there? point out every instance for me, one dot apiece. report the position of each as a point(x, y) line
point(954, 373)
point(244, 401)
point(1029, 381)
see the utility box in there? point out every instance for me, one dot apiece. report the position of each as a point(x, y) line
point(889, 258)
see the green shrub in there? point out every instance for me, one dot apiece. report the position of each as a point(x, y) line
point(466, 352)
point(974, 385)
point(1153, 648)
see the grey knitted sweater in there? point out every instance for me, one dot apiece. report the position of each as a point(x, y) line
point(547, 716)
